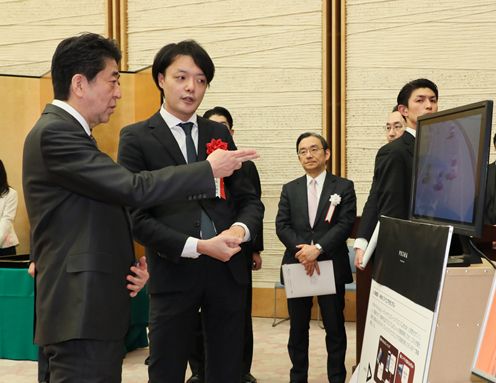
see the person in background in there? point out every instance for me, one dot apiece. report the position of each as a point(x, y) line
point(81, 243)
point(8, 208)
point(395, 125)
point(315, 218)
point(391, 185)
point(184, 279)
point(254, 262)
point(390, 191)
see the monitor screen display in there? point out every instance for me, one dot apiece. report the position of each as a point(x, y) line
point(450, 166)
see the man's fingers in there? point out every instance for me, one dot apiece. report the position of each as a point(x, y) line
point(245, 154)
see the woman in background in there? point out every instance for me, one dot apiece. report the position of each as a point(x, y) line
point(8, 208)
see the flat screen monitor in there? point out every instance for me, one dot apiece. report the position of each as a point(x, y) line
point(450, 167)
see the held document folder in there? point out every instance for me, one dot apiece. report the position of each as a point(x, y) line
point(298, 284)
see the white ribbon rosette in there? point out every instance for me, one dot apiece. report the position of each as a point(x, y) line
point(335, 200)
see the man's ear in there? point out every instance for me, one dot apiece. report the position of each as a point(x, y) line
point(403, 110)
point(327, 154)
point(160, 80)
point(78, 83)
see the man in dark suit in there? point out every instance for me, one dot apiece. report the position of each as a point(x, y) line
point(183, 280)
point(254, 262)
point(390, 191)
point(391, 186)
point(490, 207)
point(75, 195)
point(315, 229)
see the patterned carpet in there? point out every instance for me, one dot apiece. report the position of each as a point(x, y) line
point(270, 363)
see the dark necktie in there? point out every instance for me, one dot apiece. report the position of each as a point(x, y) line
point(206, 225)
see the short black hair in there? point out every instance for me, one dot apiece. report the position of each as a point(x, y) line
point(4, 185)
point(84, 54)
point(395, 108)
point(323, 141)
point(220, 111)
point(409, 87)
point(169, 52)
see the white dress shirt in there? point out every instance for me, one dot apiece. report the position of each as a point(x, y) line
point(189, 250)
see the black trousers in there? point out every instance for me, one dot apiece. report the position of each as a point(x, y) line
point(197, 356)
point(331, 309)
point(174, 318)
point(43, 369)
point(85, 361)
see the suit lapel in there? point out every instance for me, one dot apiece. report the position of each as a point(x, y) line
point(163, 134)
point(327, 190)
point(204, 137)
point(302, 195)
point(409, 141)
point(60, 113)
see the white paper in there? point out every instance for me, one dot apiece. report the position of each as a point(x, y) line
point(298, 284)
point(371, 245)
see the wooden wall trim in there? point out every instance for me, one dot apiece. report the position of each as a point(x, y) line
point(263, 304)
point(123, 33)
point(326, 72)
point(334, 82)
point(342, 104)
point(116, 27)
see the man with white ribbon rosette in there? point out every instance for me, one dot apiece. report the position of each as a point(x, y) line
point(315, 217)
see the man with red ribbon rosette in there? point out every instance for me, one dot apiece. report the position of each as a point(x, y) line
point(193, 247)
point(315, 217)
point(254, 262)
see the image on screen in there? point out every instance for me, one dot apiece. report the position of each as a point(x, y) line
point(447, 169)
point(450, 167)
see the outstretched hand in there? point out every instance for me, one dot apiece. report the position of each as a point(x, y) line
point(225, 162)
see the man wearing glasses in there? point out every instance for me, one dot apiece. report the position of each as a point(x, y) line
point(315, 217)
point(395, 125)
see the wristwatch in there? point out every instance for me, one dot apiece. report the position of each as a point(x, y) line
point(321, 250)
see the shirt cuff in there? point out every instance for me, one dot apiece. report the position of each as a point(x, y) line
point(247, 236)
point(189, 250)
point(361, 243)
point(217, 187)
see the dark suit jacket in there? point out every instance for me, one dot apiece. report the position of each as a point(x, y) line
point(293, 227)
point(164, 229)
point(391, 186)
point(490, 206)
point(80, 233)
point(250, 171)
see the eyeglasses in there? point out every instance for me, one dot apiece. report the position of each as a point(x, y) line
point(394, 127)
point(313, 150)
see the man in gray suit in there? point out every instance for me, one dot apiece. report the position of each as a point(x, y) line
point(81, 239)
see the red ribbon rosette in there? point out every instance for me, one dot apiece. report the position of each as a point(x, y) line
point(212, 146)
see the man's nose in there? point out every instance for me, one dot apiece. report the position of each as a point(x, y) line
point(190, 85)
point(118, 93)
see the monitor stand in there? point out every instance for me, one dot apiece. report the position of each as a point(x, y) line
point(462, 254)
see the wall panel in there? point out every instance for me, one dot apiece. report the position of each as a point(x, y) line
point(18, 113)
point(31, 29)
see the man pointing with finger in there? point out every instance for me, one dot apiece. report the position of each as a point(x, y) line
point(192, 246)
point(81, 244)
